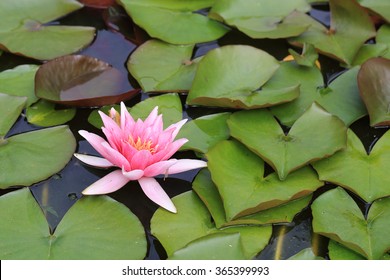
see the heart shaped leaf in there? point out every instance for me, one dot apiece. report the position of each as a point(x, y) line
point(315, 135)
point(37, 155)
point(81, 81)
point(193, 222)
point(159, 66)
point(10, 108)
point(350, 28)
point(43, 113)
point(22, 219)
point(238, 174)
point(375, 89)
point(160, 19)
point(336, 215)
point(365, 175)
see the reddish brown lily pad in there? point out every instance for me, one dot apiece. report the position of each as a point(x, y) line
point(78, 80)
point(373, 81)
point(98, 3)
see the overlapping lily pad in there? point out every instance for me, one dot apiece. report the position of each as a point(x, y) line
point(44, 113)
point(383, 37)
point(175, 21)
point(350, 28)
point(264, 19)
point(317, 133)
point(373, 80)
point(10, 108)
point(95, 227)
point(362, 173)
point(381, 7)
point(193, 228)
point(309, 56)
point(336, 215)
point(159, 66)
point(79, 80)
point(23, 30)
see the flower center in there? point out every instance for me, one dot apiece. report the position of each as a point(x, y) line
point(142, 145)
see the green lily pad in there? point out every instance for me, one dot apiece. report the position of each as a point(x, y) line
point(19, 81)
point(305, 254)
point(383, 37)
point(375, 89)
point(169, 105)
point(238, 175)
point(339, 252)
point(263, 19)
point(368, 51)
point(350, 28)
point(43, 113)
point(208, 193)
point(23, 30)
point(193, 221)
point(315, 135)
point(37, 155)
point(175, 21)
point(308, 57)
point(340, 98)
point(159, 66)
point(10, 108)
point(95, 227)
point(336, 215)
point(204, 132)
point(352, 168)
point(230, 76)
point(79, 80)
point(381, 7)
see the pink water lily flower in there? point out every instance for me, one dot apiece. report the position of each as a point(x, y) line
point(141, 149)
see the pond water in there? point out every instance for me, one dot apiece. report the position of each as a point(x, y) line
point(57, 194)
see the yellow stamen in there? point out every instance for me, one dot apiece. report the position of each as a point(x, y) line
point(142, 145)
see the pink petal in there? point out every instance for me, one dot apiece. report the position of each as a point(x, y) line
point(177, 126)
point(115, 157)
point(94, 161)
point(149, 121)
point(158, 168)
point(183, 165)
point(127, 121)
point(109, 183)
point(96, 142)
point(155, 192)
point(169, 151)
point(140, 159)
point(133, 174)
point(112, 131)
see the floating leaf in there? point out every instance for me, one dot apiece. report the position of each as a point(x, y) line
point(159, 66)
point(10, 108)
point(365, 175)
point(95, 227)
point(193, 221)
point(238, 174)
point(383, 37)
point(37, 155)
point(43, 113)
point(368, 51)
point(174, 21)
point(263, 19)
point(350, 27)
point(315, 135)
point(381, 7)
point(305, 254)
point(98, 3)
point(339, 252)
point(23, 30)
point(374, 88)
point(19, 81)
point(308, 57)
point(230, 76)
point(204, 132)
point(336, 215)
point(81, 81)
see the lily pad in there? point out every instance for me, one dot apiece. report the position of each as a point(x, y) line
point(305, 254)
point(79, 80)
point(308, 57)
point(383, 37)
point(374, 88)
point(19, 81)
point(315, 135)
point(362, 173)
point(23, 30)
point(22, 219)
point(175, 21)
point(159, 66)
point(337, 251)
point(239, 176)
point(208, 193)
point(263, 19)
point(10, 108)
point(193, 221)
point(230, 76)
point(44, 113)
point(98, 3)
point(351, 27)
point(37, 155)
point(204, 132)
point(336, 215)
point(368, 51)
point(381, 7)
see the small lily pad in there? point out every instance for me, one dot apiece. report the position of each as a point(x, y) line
point(308, 57)
point(336, 215)
point(44, 113)
point(315, 135)
point(79, 80)
point(85, 232)
point(375, 90)
point(10, 108)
